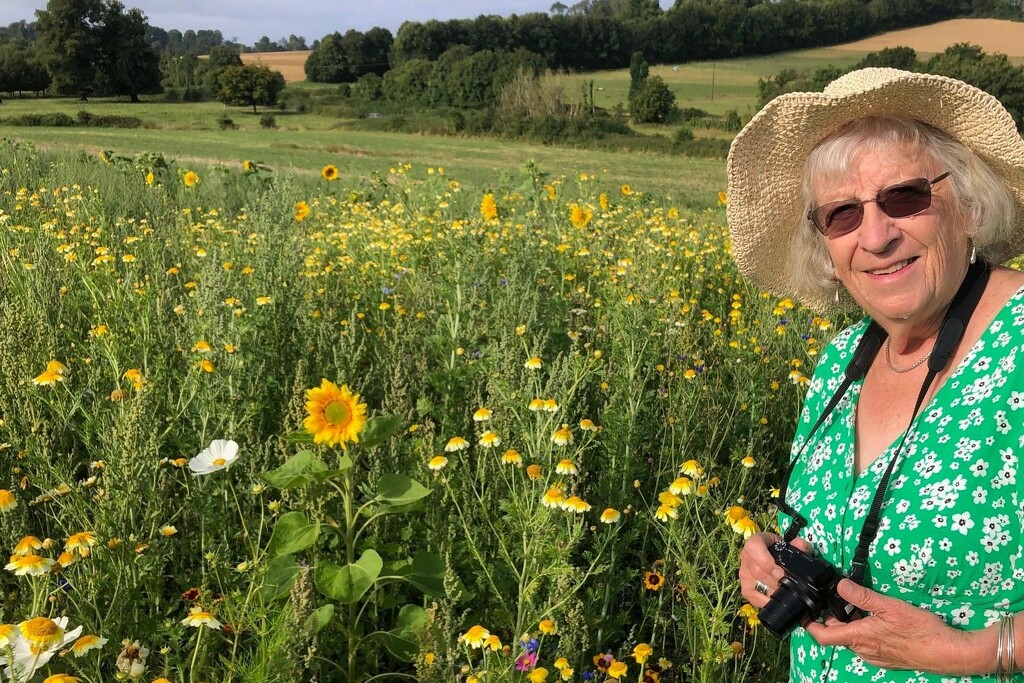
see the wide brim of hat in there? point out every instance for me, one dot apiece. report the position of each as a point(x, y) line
point(766, 160)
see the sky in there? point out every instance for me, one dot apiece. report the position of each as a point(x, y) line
point(248, 20)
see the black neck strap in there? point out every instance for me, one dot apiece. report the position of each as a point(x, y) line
point(950, 333)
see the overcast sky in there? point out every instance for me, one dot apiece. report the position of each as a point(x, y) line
point(247, 20)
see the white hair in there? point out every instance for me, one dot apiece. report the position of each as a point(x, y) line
point(981, 200)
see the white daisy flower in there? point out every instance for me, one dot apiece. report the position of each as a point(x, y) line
point(217, 456)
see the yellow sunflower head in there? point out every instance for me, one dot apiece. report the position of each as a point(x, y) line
point(335, 414)
point(329, 172)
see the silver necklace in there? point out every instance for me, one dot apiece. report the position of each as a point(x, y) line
point(888, 359)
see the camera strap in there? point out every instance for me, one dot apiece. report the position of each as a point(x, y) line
point(954, 325)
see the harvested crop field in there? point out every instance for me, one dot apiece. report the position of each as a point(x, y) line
point(290, 64)
point(993, 35)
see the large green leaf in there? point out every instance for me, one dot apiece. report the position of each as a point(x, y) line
point(398, 489)
point(301, 436)
point(426, 573)
point(349, 583)
point(292, 533)
point(379, 429)
point(401, 641)
point(297, 470)
point(320, 617)
point(281, 573)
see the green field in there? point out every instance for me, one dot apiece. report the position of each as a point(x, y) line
point(303, 143)
point(717, 87)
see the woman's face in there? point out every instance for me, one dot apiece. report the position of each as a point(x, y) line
point(900, 270)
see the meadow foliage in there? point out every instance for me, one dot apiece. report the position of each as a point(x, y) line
point(257, 427)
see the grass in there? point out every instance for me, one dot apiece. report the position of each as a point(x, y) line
point(305, 143)
point(717, 87)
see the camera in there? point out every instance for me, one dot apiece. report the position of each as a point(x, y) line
point(807, 590)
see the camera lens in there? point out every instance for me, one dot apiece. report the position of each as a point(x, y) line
point(790, 603)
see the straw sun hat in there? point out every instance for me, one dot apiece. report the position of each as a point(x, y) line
point(766, 160)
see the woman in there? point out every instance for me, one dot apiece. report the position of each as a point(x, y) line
point(898, 193)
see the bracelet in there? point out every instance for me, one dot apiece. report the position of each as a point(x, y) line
point(1007, 643)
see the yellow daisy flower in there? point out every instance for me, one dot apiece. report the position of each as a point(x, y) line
point(198, 617)
point(86, 643)
point(566, 466)
point(489, 439)
point(512, 457)
point(562, 437)
point(437, 463)
point(476, 636)
point(456, 443)
point(41, 632)
point(610, 516)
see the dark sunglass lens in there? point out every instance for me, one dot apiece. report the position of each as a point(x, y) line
point(842, 219)
point(906, 199)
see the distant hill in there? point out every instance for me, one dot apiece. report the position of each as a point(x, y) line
point(993, 35)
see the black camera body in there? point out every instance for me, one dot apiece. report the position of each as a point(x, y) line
point(807, 590)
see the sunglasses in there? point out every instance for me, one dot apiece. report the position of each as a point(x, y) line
point(896, 201)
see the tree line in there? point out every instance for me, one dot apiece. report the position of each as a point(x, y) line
point(993, 73)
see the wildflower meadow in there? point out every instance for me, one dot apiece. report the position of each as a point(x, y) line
point(259, 426)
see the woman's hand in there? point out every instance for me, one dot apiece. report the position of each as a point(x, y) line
point(758, 565)
point(897, 635)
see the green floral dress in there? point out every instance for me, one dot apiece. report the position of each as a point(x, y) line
point(951, 538)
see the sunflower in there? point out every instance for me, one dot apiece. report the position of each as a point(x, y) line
point(488, 207)
point(653, 580)
point(302, 210)
point(191, 179)
point(335, 415)
point(329, 172)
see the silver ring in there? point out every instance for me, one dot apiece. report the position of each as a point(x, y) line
point(761, 588)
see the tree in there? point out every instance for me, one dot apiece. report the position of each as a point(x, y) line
point(126, 63)
point(896, 57)
point(408, 83)
point(221, 57)
point(68, 44)
point(328, 62)
point(638, 71)
point(20, 70)
point(250, 85)
point(653, 102)
point(369, 87)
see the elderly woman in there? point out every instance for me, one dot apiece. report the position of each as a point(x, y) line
point(898, 193)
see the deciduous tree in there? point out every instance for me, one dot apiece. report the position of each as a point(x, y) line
point(250, 85)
